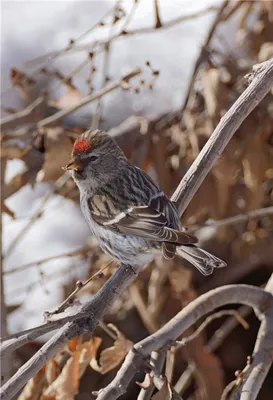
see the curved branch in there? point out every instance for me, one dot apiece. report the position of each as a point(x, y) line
point(243, 294)
point(262, 355)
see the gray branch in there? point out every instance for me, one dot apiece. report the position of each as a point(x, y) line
point(259, 87)
point(262, 355)
point(248, 295)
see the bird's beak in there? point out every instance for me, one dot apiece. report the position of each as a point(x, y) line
point(73, 165)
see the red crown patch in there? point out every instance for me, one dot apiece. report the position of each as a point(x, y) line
point(82, 145)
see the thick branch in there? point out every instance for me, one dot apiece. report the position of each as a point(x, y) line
point(251, 97)
point(243, 294)
point(262, 355)
point(94, 308)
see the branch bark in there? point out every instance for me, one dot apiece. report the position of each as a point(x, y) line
point(243, 294)
point(261, 84)
point(259, 87)
point(31, 113)
point(262, 355)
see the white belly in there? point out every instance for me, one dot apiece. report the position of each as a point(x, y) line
point(128, 249)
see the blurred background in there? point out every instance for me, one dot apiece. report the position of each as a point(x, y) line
point(158, 75)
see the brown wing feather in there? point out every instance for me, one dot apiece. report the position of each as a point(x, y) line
point(147, 223)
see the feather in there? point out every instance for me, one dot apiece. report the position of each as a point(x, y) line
point(201, 259)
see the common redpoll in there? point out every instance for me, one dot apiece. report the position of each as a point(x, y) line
point(129, 214)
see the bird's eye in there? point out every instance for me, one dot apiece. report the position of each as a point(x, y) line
point(93, 158)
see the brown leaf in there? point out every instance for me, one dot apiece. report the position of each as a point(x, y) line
point(165, 393)
point(255, 167)
point(73, 344)
point(180, 279)
point(58, 147)
point(15, 184)
point(70, 97)
point(111, 357)
point(215, 93)
point(21, 81)
point(66, 386)
point(146, 384)
point(88, 352)
point(52, 371)
point(33, 389)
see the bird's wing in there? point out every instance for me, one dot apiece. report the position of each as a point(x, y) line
point(144, 221)
point(136, 206)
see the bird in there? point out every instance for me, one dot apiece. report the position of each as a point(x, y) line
point(131, 217)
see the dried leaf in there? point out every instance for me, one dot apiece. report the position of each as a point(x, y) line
point(15, 184)
point(70, 97)
point(88, 352)
point(58, 147)
point(52, 371)
point(73, 344)
point(21, 81)
point(180, 279)
point(146, 384)
point(215, 94)
point(254, 168)
point(165, 393)
point(66, 386)
point(111, 357)
point(33, 389)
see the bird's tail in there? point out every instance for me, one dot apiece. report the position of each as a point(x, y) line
point(201, 259)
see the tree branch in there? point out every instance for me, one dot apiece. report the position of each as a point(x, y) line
point(53, 119)
point(243, 294)
point(261, 84)
point(208, 320)
point(26, 116)
point(262, 355)
point(259, 87)
point(157, 362)
point(260, 212)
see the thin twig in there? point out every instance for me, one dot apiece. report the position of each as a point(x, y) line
point(75, 253)
point(202, 53)
point(49, 57)
point(97, 116)
point(219, 314)
point(144, 313)
point(260, 212)
point(79, 286)
point(53, 119)
point(158, 23)
point(25, 116)
point(157, 362)
point(149, 29)
point(58, 185)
